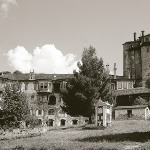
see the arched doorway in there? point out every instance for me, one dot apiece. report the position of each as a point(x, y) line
point(62, 122)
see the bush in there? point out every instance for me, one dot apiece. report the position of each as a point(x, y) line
point(32, 122)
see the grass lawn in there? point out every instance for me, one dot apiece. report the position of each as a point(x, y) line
point(121, 135)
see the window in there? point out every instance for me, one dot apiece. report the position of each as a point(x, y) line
point(124, 85)
point(74, 122)
point(50, 122)
point(51, 112)
point(41, 85)
point(40, 121)
point(129, 113)
point(39, 112)
point(35, 86)
point(49, 85)
point(119, 85)
point(26, 86)
point(45, 85)
point(62, 122)
point(112, 86)
point(130, 85)
point(52, 100)
point(32, 97)
point(61, 85)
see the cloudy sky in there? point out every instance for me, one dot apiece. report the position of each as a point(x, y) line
point(49, 35)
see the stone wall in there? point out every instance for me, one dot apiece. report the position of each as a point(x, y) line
point(145, 55)
point(137, 114)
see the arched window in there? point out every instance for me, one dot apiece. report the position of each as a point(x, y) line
point(51, 112)
point(52, 100)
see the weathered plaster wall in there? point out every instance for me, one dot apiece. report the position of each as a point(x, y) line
point(138, 114)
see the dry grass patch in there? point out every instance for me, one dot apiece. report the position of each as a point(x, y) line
point(122, 135)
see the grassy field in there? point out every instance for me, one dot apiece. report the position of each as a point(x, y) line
point(121, 135)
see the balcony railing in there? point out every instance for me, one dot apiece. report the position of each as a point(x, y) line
point(44, 90)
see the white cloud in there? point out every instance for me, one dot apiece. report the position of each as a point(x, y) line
point(46, 59)
point(5, 4)
point(10, 1)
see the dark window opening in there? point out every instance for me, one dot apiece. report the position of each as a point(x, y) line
point(62, 122)
point(74, 122)
point(50, 122)
point(41, 85)
point(112, 86)
point(39, 112)
point(26, 86)
point(52, 100)
point(40, 121)
point(129, 112)
point(32, 97)
point(56, 87)
point(51, 112)
point(45, 85)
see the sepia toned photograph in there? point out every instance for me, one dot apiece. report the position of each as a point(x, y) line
point(74, 75)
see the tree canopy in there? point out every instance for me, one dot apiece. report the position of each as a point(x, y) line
point(88, 85)
point(147, 83)
point(140, 101)
point(14, 103)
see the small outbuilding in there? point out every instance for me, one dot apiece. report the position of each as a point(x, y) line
point(137, 112)
point(103, 113)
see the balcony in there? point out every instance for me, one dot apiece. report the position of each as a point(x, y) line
point(46, 90)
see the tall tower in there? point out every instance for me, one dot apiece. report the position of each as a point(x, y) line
point(132, 68)
point(145, 55)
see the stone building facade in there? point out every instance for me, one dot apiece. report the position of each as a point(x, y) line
point(43, 95)
point(136, 70)
point(137, 112)
point(136, 62)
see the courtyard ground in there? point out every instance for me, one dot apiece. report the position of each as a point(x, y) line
point(130, 134)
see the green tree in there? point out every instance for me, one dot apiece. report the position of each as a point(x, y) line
point(14, 103)
point(140, 101)
point(88, 85)
point(147, 83)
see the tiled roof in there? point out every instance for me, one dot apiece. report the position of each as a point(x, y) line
point(130, 107)
point(43, 76)
point(101, 103)
point(140, 90)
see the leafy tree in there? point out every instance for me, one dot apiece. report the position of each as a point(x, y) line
point(88, 85)
point(139, 101)
point(14, 103)
point(147, 83)
point(77, 97)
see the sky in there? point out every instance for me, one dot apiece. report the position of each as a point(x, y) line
point(49, 36)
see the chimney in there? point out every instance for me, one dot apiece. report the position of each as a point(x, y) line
point(115, 70)
point(134, 36)
point(107, 68)
point(142, 33)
